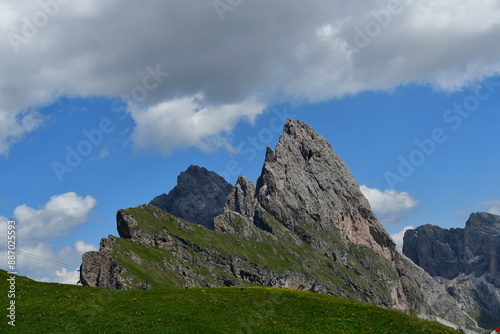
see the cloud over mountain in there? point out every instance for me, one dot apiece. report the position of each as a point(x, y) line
point(389, 204)
point(36, 228)
point(56, 217)
point(243, 51)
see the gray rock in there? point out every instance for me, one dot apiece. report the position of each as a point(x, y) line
point(305, 225)
point(465, 260)
point(242, 198)
point(435, 249)
point(100, 269)
point(309, 189)
point(449, 253)
point(478, 298)
point(425, 296)
point(198, 197)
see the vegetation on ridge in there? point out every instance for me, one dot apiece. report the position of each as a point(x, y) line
point(58, 308)
point(282, 255)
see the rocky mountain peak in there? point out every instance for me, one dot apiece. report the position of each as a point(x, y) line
point(198, 197)
point(466, 259)
point(449, 253)
point(242, 197)
point(304, 225)
point(306, 186)
point(483, 222)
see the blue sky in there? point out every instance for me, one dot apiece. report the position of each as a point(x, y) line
point(100, 122)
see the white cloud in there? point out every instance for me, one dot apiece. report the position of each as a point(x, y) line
point(40, 262)
point(190, 122)
point(306, 53)
point(73, 254)
point(14, 126)
point(389, 204)
point(57, 216)
point(492, 206)
point(36, 258)
point(68, 277)
point(389, 200)
point(494, 210)
point(82, 247)
point(398, 237)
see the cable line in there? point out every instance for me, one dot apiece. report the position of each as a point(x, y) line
point(43, 259)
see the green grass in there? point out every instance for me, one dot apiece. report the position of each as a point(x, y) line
point(286, 254)
point(280, 255)
point(56, 308)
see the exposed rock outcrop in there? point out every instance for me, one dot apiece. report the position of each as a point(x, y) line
point(465, 260)
point(242, 198)
point(304, 225)
point(198, 197)
point(310, 190)
point(478, 298)
point(448, 253)
point(100, 269)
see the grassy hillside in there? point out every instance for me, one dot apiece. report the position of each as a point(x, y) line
point(211, 258)
point(56, 308)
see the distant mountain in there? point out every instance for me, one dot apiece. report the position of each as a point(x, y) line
point(198, 197)
point(466, 259)
point(304, 225)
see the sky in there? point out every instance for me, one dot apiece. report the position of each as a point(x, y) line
point(103, 104)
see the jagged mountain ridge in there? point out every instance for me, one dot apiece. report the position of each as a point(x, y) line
point(198, 197)
point(466, 260)
point(473, 250)
point(307, 187)
point(304, 225)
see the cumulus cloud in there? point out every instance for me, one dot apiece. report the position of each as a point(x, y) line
point(389, 204)
point(492, 206)
point(36, 257)
point(14, 126)
point(389, 200)
point(495, 210)
point(56, 217)
point(42, 263)
point(68, 277)
point(39, 261)
point(261, 51)
point(398, 237)
point(82, 247)
point(190, 122)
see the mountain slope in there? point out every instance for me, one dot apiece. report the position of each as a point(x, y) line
point(447, 253)
point(304, 225)
point(466, 259)
point(198, 197)
point(219, 310)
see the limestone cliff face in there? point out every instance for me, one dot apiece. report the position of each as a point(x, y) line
point(198, 197)
point(466, 260)
point(242, 198)
point(435, 249)
point(304, 225)
point(308, 188)
point(100, 269)
point(448, 253)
